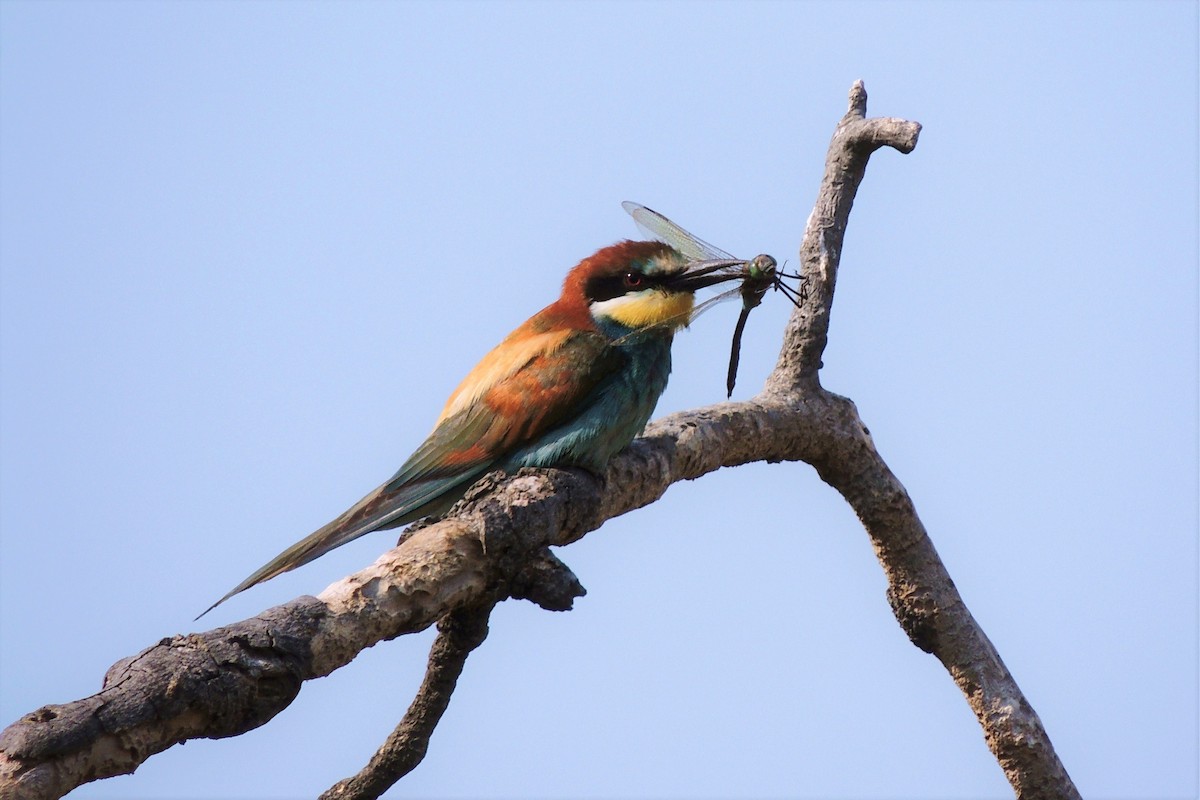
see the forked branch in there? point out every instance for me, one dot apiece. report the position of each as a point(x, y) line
point(459, 632)
point(232, 679)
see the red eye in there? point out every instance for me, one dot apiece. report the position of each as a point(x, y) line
point(633, 279)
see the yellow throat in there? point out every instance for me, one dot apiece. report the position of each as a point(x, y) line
point(649, 309)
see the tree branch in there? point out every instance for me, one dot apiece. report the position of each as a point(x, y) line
point(854, 139)
point(232, 679)
point(459, 632)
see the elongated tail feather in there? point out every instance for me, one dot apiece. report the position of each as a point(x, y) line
point(519, 395)
point(378, 510)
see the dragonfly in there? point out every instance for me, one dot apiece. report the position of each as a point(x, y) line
point(758, 274)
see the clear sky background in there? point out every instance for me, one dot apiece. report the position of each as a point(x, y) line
point(249, 248)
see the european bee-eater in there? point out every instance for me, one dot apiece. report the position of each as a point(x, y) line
point(570, 387)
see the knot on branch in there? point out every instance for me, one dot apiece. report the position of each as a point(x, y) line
point(515, 516)
point(518, 516)
point(512, 509)
point(917, 613)
point(872, 134)
point(546, 581)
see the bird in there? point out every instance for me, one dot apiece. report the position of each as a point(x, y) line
point(572, 386)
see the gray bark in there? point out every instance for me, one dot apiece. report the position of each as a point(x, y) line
point(493, 545)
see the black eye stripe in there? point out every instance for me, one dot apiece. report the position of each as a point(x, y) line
point(607, 287)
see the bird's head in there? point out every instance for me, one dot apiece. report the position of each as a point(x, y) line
point(640, 285)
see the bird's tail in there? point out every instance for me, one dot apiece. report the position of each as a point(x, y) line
point(385, 507)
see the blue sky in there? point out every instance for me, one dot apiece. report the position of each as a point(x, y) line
point(247, 250)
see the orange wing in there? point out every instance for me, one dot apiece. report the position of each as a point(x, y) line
point(518, 392)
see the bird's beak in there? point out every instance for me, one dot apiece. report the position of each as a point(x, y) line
point(700, 274)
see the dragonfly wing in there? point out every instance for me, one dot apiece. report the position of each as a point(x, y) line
point(661, 228)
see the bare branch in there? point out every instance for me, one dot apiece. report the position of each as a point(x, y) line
point(854, 139)
point(459, 632)
point(235, 678)
point(232, 679)
point(922, 595)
